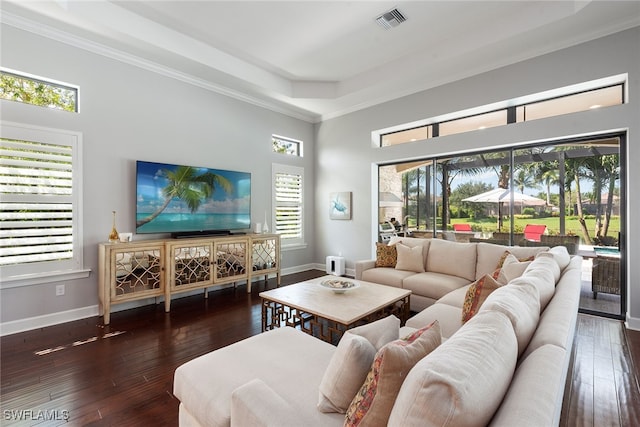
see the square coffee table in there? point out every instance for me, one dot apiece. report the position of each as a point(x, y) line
point(326, 314)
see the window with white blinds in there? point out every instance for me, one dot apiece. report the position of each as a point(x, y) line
point(288, 203)
point(39, 209)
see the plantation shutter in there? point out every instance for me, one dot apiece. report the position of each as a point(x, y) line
point(36, 183)
point(288, 203)
point(40, 205)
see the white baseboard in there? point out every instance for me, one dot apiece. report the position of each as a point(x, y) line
point(322, 267)
point(15, 326)
point(632, 323)
point(22, 325)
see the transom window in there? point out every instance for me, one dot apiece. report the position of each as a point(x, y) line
point(288, 146)
point(533, 109)
point(22, 87)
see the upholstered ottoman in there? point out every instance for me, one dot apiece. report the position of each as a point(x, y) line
point(287, 361)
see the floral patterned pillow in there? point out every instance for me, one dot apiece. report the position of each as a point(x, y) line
point(386, 255)
point(373, 403)
point(478, 293)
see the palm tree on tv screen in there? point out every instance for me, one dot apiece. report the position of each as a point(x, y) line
point(187, 185)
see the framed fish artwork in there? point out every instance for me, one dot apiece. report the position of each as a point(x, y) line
point(340, 205)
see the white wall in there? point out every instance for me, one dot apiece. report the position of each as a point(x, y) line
point(345, 153)
point(128, 114)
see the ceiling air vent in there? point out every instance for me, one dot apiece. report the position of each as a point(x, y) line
point(391, 19)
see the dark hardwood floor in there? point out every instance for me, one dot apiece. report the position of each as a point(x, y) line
point(122, 374)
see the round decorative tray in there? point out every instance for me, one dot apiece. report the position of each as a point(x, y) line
point(338, 286)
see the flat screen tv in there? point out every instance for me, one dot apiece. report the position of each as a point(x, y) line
point(188, 200)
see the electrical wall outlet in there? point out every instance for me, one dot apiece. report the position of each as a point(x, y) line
point(59, 290)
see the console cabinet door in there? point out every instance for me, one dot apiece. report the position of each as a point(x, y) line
point(230, 255)
point(137, 273)
point(265, 256)
point(189, 264)
point(129, 271)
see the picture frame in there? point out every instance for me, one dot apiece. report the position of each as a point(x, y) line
point(340, 205)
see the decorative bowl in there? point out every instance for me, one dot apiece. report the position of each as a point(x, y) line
point(338, 286)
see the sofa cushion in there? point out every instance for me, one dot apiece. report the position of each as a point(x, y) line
point(373, 402)
point(543, 272)
point(476, 294)
point(463, 381)
point(544, 266)
point(521, 304)
point(410, 258)
point(452, 258)
point(455, 297)
point(533, 400)
point(386, 276)
point(511, 268)
point(433, 285)
point(386, 255)
point(350, 363)
point(556, 326)
point(256, 404)
point(560, 255)
point(448, 316)
point(489, 254)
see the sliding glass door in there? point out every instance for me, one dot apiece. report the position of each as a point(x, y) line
point(566, 193)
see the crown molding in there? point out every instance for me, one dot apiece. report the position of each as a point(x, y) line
point(52, 33)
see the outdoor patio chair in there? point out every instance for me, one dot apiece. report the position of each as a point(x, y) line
point(462, 227)
point(534, 231)
point(605, 276)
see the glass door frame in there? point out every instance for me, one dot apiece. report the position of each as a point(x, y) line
point(436, 188)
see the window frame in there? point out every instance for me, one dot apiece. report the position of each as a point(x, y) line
point(50, 271)
point(517, 105)
point(298, 144)
point(288, 243)
point(49, 82)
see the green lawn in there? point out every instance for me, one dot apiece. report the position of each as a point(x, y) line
point(572, 226)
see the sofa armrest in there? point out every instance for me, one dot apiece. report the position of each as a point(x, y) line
point(256, 404)
point(364, 265)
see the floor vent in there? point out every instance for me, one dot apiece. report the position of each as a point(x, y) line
point(391, 19)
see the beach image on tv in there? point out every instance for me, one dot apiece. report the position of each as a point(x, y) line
point(178, 199)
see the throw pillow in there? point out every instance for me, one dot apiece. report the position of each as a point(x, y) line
point(380, 332)
point(463, 381)
point(351, 361)
point(502, 259)
point(506, 254)
point(410, 259)
point(512, 267)
point(386, 255)
point(372, 405)
point(476, 294)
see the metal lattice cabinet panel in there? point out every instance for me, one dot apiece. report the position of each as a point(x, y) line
point(230, 260)
point(129, 272)
point(190, 264)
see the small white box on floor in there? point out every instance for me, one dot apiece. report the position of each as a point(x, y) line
point(335, 265)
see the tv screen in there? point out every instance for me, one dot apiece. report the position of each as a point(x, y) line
point(185, 200)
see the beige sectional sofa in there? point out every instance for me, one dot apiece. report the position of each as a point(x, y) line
point(505, 366)
point(446, 266)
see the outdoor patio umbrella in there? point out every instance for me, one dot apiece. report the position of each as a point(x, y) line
point(502, 196)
